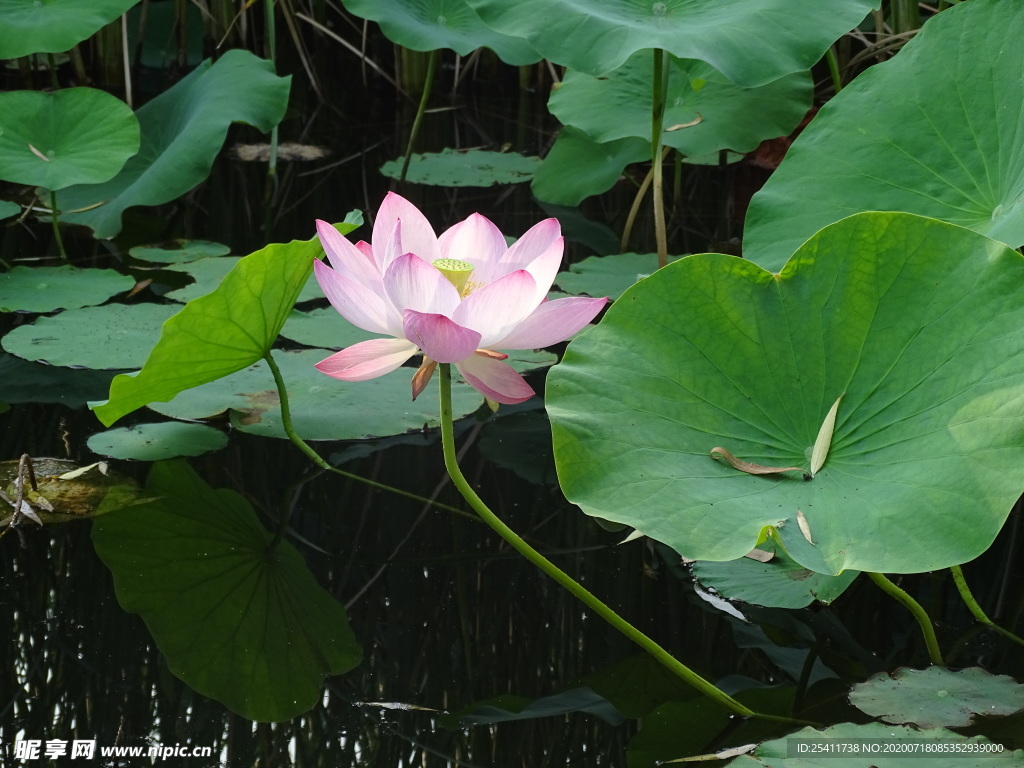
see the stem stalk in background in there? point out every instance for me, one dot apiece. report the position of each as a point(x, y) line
point(659, 89)
point(56, 225)
point(916, 610)
point(975, 609)
point(428, 84)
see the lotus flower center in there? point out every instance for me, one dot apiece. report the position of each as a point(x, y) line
point(457, 272)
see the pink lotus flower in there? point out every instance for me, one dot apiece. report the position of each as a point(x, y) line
point(457, 299)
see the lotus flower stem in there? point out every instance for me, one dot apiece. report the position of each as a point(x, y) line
point(428, 82)
point(833, 69)
point(916, 610)
point(286, 422)
point(574, 587)
point(975, 609)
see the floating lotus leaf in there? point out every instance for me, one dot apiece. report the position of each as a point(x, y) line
point(916, 323)
point(178, 251)
point(111, 337)
point(44, 289)
point(80, 136)
point(704, 111)
point(427, 25)
point(183, 129)
point(206, 274)
point(238, 617)
point(935, 131)
point(607, 275)
point(53, 26)
point(471, 168)
point(8, 209)
point(937, 696)
point(750, 41)
point(66, 491)
point(155, 442)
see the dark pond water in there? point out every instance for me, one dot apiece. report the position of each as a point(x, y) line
point(446, 613)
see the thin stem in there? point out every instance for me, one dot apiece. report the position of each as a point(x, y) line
point(975, 609)
point(286, 422)
point(659, 88)
point(56, 225)
point(428, 83)
point(833, 68)
point(916, 610)
point(560, 576)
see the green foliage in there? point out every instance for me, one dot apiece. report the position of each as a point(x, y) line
point(178, 251)
point(781, 582)
point(52, 26)
point(935, 131)
point(112, 337)
point(607, 275)
point(717, 113)
point(221, 332)
point(713, 351)
point(471, 168)
point(938, 697)
point(427, 25)
point(577, 167)
point(750, 41)
point(156, 442)
point(183, 129)
point(80, 136)
point(237, 615)
point(206, 275)
point(44, 289)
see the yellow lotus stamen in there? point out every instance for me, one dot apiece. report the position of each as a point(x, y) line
point(456, 271)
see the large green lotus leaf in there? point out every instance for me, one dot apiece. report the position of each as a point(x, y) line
point(881, 740)
point(44, 289)
point(779, 583)
point(155, 442)
point(323, 328)
point(219, 333)
point(577, 166)
point(917, 324)
point(749, 41)
point(182, 132)
point(239, 619)
point(427, 25)
point(111, 337)
point(937, 696)
point(935, 131)
point(8, 209)
point(25, 382)
point(727, 116)
point(81, 136)
point(52, 26)
point(321, 408)
point(469, 168)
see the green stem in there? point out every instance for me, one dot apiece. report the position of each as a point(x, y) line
point(916, 610)
point(975, 609)
point(428, 82)
point(286, 422)
point(56, 225)
point(560, 576)
point(833, 68)
point(659, 89)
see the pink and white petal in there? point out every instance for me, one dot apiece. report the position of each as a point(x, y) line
point(347, 258)
point(355, 302)
point(545, 267)
point(552, 322)
point(534, 243)
point(412, 283)
point(496, 380)
point(496, 309)
point(417, 236)
point(440, 338)
point(367, 359)
point(476, 241)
